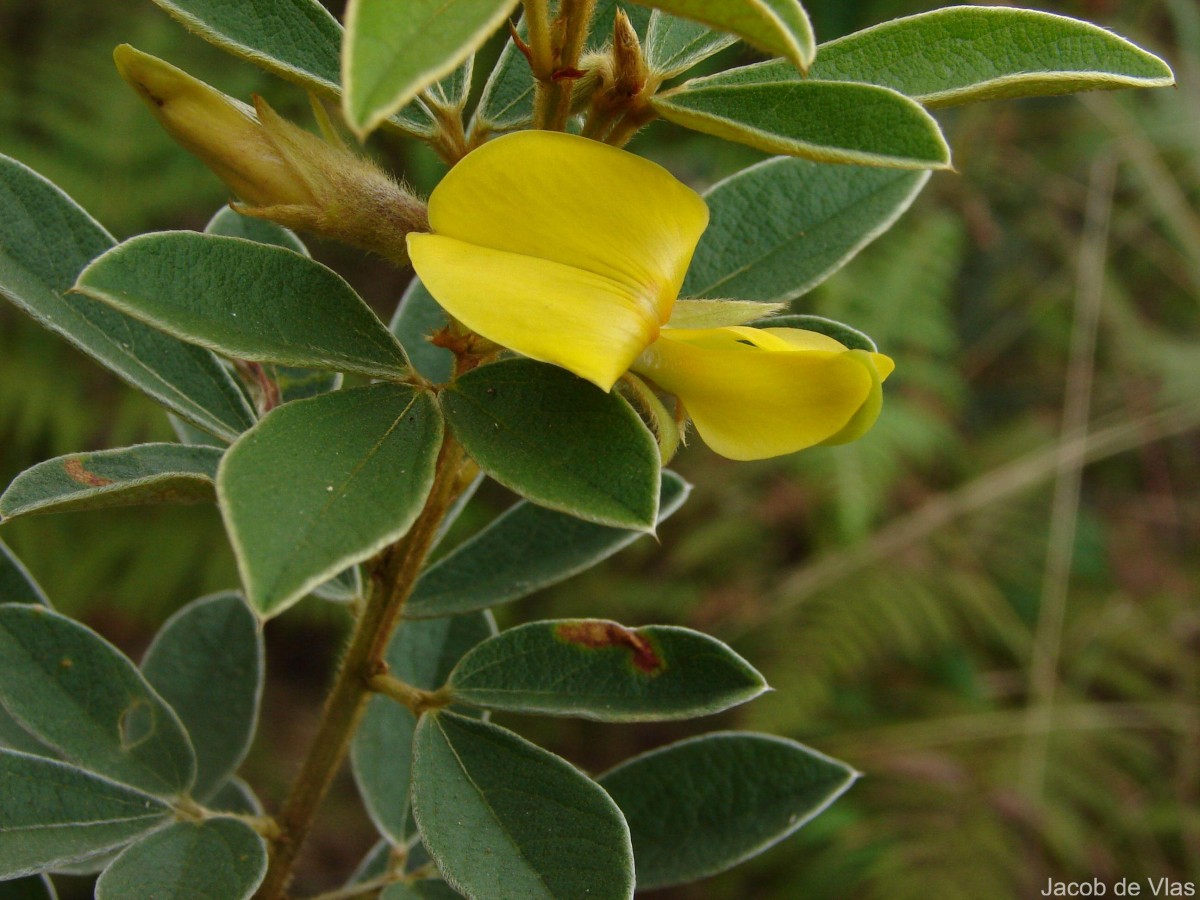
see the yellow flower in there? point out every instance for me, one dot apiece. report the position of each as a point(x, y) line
point(573, 252)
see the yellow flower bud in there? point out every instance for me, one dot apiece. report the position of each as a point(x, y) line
point(278, 170)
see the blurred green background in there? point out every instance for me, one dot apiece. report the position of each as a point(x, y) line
point(988, 605)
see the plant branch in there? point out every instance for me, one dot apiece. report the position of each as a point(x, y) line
point(414, 698)
point(394, 572)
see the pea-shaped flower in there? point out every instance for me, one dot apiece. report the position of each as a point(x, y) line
point(573, 252)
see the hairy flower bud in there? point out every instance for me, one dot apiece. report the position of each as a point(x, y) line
point(278, 170)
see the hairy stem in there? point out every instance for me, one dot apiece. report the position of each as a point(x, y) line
point(552, 103)
point(541, 48)
point(394, 572)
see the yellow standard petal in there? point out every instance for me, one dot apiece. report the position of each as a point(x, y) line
point(757, 393)
point(530, 206)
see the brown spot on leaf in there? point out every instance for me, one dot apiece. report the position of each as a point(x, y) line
point(74, 468)
point(597, 633)
point(66, 662)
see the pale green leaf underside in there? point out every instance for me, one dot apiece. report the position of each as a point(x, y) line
point(54, 813)
point(392, 51)
point(77, 693)
point(449, 92)
point(779, 228)
point(146, 473)
point(526, 549)
point(416, 318)
point(825, 121)
point(45, 241)
point(246, 300)
point(549, 831)
point(775, 26)
point(344, 587)
point(674, 45)
point(595, 669)
point(322, 484)
point(228, 222)
point(967, 53)
point(703, 805)
point(207, 663)
point(217, 857)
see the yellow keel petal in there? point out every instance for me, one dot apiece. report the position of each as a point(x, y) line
point(758, 393)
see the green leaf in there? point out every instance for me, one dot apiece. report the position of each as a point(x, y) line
point(825, 121)
point(207, 663)
point(54, 813)
point(73, 690)
point(217, 858)
point(421, 654)
point(14, 737)
point(781, 227)
point(966, 53)
point(245, 300)
point(703, 805)
point(780, 27)
point(526, 549)
point(146, 473)
point(321, 484)
point(16, 584)
point(391, 51)
point(507, 99)
point(296, 39)
point(228, 222)
point(558, 441)
point(39, 217)
point(35, 887)
point(839, 331)
point(600, 670)
point(417, 317)
point(674, 45)
point(294, 383)
point(506, 820)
